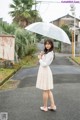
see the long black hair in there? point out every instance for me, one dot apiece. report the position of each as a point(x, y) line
point(52, 46)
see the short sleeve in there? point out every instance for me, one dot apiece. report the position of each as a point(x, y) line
point(48, 59)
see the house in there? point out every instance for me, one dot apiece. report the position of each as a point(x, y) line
point(69, 20)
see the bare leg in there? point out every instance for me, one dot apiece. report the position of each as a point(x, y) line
point(45, 97)
point(50, 95)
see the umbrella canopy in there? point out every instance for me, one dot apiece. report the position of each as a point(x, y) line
point(49, 30)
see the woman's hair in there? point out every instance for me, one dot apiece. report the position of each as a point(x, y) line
point(52, 46)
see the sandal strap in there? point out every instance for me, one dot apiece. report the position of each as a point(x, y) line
point(44, 109)
point(52, 108)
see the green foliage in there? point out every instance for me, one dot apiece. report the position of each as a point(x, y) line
point(31, 49)
point(59, 47)
point(22, 12)
point(24, 40)
point(66, 29)
point(5, 74)
point(39, 37)
point(76, 59)
point(6, 28)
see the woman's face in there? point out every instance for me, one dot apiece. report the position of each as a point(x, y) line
point(48, 46)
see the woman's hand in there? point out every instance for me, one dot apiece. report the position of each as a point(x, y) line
point(42, 53)
point(39, 56)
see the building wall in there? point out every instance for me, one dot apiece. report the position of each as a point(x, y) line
point(66, 48)
point(66, 21)
point(56, 22)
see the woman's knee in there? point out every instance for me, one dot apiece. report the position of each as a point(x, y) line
point(49, 91)
point(46, 91)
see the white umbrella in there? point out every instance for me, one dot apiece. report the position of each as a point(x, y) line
point(49, 30)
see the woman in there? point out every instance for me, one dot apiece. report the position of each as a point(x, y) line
point(44, 77)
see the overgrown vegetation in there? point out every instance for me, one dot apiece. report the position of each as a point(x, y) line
point(77, 60)
point(66, 29)
point(25, 42)
point(27, 61)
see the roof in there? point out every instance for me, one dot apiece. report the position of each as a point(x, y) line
point(4, 35)
point(65, 16)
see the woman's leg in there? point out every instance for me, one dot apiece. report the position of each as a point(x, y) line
point(50, 95)
point(45, 97)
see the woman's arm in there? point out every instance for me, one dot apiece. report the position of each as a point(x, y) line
point(47, 61)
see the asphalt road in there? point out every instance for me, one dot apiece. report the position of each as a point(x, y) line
point(63, 71)
point(23, 103)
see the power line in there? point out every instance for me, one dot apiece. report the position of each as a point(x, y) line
point(49, 1)
point(58, 1)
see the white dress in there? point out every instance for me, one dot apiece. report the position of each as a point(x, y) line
point(44, 77)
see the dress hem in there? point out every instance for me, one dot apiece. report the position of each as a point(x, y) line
point(45, 89)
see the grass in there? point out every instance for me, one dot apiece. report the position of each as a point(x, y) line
point(5, 73)
point(77, 60)
point(29, 61)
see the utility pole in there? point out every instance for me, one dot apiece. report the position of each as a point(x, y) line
point(73, 31)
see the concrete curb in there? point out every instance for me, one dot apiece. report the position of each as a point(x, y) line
point(6, 79)
point(73, 61)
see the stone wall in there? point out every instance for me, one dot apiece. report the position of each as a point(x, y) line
point(66, 48)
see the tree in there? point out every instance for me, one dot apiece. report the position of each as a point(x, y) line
point(22, 12)
point(66, 29)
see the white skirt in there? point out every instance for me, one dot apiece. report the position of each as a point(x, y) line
point(44, 78)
